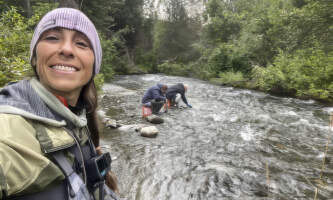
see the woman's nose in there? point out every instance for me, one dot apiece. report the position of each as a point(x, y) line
point(66, 49)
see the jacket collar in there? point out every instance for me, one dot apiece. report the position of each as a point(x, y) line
point(57, 106)
point(30, 99)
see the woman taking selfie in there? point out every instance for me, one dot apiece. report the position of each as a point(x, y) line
point(48, 123)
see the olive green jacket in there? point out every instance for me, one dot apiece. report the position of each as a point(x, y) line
point(33, 122)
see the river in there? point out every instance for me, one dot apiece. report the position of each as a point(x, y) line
point(233, 144)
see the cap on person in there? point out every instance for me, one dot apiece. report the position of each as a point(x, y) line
point(72, 19)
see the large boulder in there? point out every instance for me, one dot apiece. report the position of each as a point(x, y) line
point(149, 131)
point(154, 119)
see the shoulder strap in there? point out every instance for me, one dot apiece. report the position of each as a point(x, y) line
point(42, 136)
point(77, 189)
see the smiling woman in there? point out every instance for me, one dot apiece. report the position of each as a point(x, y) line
point(49, 146)
point(64, 62)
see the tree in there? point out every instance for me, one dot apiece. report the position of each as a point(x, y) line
point(174, 36)
point(69, 4)
point(223, 23)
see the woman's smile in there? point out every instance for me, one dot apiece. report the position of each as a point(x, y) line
point(64, 68)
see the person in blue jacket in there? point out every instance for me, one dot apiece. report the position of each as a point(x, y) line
point(155, 98)
point(177, 92)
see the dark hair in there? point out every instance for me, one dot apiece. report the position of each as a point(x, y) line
point(89, 95)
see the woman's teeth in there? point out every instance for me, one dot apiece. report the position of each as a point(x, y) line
point(64, 68)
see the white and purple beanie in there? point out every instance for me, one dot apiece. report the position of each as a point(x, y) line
point(72, 19)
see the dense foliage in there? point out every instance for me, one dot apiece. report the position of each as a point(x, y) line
point(306, 73)
point(284, 47)
point(14, 43)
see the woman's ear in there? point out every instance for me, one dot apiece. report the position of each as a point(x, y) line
point(34, 64)
point(33, 61)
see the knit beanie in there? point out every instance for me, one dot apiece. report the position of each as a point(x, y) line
point(71, 19)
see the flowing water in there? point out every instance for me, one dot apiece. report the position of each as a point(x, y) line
point(233, 144)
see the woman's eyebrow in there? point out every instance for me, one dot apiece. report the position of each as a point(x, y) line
point(83, 36)
point(57, 29)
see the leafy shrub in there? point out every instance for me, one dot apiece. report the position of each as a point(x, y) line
point(99, 81)
point(224, 58)
point(14, 46)
point(200, 70)
point(146, 61)
point(219, 60)
point(308, 72)
point(110, 57)
point(16, 33)
point(229, 77)
point(268, 78)
point(177, 69)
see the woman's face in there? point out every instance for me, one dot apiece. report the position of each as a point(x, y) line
point(64, 61)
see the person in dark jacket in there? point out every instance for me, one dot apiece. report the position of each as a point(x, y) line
point(155, 98)
point(177, 92)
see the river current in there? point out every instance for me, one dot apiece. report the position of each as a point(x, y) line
point(233, 144)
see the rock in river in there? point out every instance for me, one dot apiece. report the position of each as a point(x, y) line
point(149, 131)
point(154, 119)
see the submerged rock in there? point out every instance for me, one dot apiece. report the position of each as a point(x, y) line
point(154, 119)
point(149, 131)
point(111, 123)
point(131, 127)
point(107, 122)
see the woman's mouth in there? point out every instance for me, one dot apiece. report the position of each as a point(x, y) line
point(64, 68)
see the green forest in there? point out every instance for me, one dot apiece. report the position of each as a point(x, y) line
point(284, 47)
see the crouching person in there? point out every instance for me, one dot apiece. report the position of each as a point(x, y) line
point(49, 136)
point(176, 93)
point(155, 98)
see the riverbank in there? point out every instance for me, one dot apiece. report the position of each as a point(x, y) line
point(276, 91)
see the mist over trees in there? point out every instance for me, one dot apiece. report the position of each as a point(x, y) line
point(279, 46)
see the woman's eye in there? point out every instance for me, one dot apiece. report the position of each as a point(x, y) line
point(82, 44)
point(51, 38)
